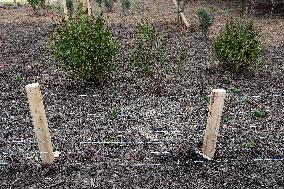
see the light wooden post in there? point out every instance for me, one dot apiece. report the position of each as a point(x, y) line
point(65, 10)
point(47, 3)
point(89, 6)
point(213, 122)
point(181, 14)
point(40, 123)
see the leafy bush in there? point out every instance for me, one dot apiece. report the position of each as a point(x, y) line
point(108, 5)
point(150, 56)
point(85, 47)
point(36, 3)
point(205, 21)
point(70, 5)
point(149, 45)
point(99, 2)
point(238, 46)
point(125, 5)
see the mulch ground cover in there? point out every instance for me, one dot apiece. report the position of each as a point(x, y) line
point(158, 133)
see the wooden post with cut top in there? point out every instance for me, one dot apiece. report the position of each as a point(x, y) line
point(89, 6)
point(213, 123)
point(65, 10)
point(40, 123)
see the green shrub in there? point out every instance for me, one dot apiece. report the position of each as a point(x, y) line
point(108, 5)
point(205, 21)
point(238, 46)
point(85, 47)
point(149, 45)
point(70, 5)
point(99, 2)
point(125, 5)
point(248, 100)
point(235, 90)
point(250, 144)
point(36, 3)
point(258, 113)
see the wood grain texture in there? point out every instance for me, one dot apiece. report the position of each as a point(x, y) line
point(40, 123)
point(213, 122)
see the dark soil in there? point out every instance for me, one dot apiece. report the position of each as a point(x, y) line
point(161, 130)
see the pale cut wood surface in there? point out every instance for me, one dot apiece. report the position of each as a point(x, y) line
point(40, 123)
point(65, 9)
point(89, 5)
point(213, 122)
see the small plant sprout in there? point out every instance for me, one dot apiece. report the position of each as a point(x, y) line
point(168, 69)
point(114, 113)
point(235, 90)
point(206, 98)
point(205, 21)
point(227, 120)
point(19, 78)
point(248, 100)
point(250, 144)
point(258, 113)
point(227, 81)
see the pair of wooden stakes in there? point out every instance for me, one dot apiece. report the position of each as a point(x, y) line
point(86, 6)
point(44, 139)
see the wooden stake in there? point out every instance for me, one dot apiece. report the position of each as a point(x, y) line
point(40, 123)
point(181, 14)
point(65, 10)
point(89, 5)
point(47, 3)
point(213, 122)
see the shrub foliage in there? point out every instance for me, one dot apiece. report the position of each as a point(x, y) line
point(108, 4)
point(238, 46)
point(205, 21)
point(85, 46)
point(149, 45)
point(125, 5)
point(36, 3)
